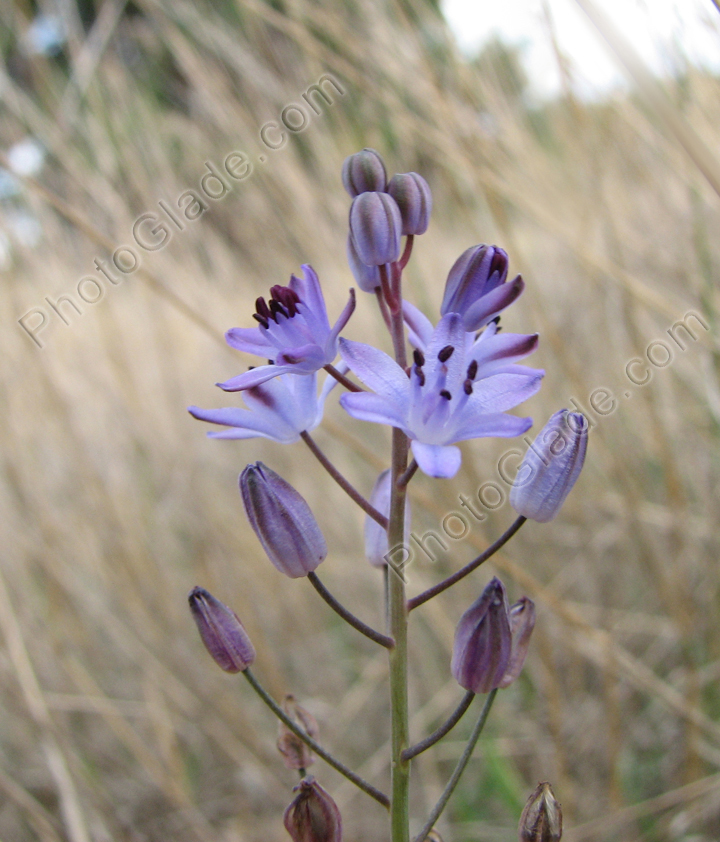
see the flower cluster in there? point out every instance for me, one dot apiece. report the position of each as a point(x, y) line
point(457, 382)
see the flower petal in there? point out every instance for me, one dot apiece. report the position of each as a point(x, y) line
point(366, 406)
point(488, 306)
point(502, 347)
point(420, 328)
point(504, 390)
point(251, 341)
point(255, 377)
point(449, 332)
point(495, 424)
point(437, 460)
point(248, 424)
point(377, 370)
point(310, 293)
point(304, 360)
point(343, 318)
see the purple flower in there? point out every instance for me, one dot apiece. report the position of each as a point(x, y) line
point(282, 521)
point(483, 641)
point(294, 332)
point(278, 409)
point(412, 195)
point(456, 390)
point(221, 631)
point(551, 467)
point(364, 172)
point(476, 286)
point(313, 816)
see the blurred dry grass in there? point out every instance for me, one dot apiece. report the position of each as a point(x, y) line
point(114, 724)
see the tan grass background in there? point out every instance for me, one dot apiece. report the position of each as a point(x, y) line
point(114, 724)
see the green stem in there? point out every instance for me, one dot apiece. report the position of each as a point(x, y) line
point(380, 797)
point(399, 808)
point(459, 769)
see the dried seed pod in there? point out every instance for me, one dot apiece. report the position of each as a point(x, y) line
point(295, 753)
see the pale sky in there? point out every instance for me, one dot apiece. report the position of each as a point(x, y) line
point(666, 33)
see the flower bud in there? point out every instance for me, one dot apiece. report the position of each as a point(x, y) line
point(412, 195)
point(376, 539)
point(541, 820)
point(282, 520)
point(313, 816)
point(364, 172)
point(367, 277)
point(522, 623)
point(476, 286)
point(551, 467)
point(375, 228)
point(483, 641)
point(296, 754)
point(221, 632)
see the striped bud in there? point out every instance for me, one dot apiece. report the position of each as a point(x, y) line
point(375, 228)
point(412, 195)
point(221, 631)
point(282, 520)
point(364, 172)
point(551, 467)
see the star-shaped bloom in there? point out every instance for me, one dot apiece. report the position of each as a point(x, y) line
point(293, 332)
point(278, 409)
point(459, 388)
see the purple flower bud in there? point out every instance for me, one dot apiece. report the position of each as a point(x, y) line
point(313, 816)
point(367, 277)
point(296, 754)
point(541, 819)
point(376, 539)
point(364, 172)
point(483, 641)
point(375, 228)
point(551, 467)
point(522, 623)
point(412, 195)
point(476, 287)
point(221, 632)
point(282, 520)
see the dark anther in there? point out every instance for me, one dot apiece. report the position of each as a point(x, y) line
point(276, 308)
point(421, 376)
point(472, 370)
point(263, 321)
point(262, 308)
point(445, 353)
point(419, 358)
point(445, 394)
point(467, 386)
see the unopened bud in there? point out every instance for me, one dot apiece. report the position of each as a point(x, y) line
point(221, 632)
point(282, 520)
point(296, 754)
point(364, 172)
point(412, 195)
point(375, 228)
point(551, 467)
point(483, 641)
point(476, 286)
point(541, 820)
point(313, 816)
